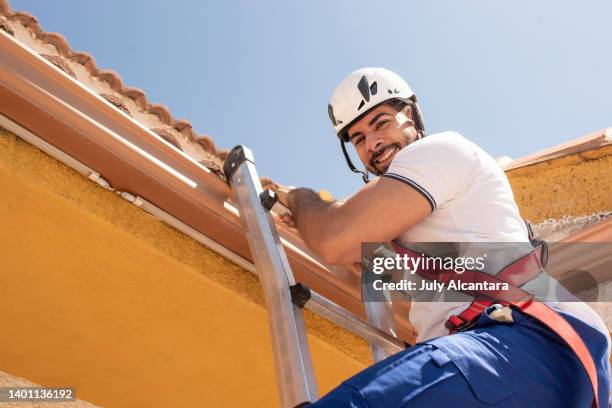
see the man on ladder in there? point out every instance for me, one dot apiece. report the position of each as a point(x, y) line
point(487, 350)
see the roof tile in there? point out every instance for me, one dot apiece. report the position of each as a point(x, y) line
point(167, 136)
point(4, 25)
point(117, 103)
point(206, 143)
point(108, 76)
point(60, 63)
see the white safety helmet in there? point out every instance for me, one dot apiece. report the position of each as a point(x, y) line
point(363, 90)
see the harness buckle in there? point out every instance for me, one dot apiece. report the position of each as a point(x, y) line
point(458, 324)
point(536, 242)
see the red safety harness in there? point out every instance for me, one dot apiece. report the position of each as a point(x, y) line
point(516, 274)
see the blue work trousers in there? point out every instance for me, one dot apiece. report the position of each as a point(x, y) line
point(520, 364)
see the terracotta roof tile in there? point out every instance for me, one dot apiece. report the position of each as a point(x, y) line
point(60, 63)
point(117, 102)
point(214, 167)
point(108, 76)
point(167, 136)
point(138, 96)
point(85, 59)
point(206, 144)
point(112, 78)
point(185, 128)
point(6, 27)
point(108, 84)
point(161, 111)
point(26, 19)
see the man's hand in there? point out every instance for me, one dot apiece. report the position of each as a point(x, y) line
point(282, 195)
point(287, 220)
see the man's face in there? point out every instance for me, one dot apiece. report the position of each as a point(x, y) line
point(378, 136)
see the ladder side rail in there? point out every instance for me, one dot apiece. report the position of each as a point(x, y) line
point(295, 375)
point(380, 315)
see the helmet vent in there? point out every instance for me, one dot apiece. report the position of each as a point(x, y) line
point(364, 88)
point(373, 88)
point(361, 104)
point(330, 112)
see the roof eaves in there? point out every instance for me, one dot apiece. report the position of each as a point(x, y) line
point(583, 146)
point(111, 78)
point(600, 232)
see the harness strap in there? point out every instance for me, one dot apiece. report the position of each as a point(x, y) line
point(515, 274)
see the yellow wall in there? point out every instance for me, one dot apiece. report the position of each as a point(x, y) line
point(576, 185)
point(99, 295)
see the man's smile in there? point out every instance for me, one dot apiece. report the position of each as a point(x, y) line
point(383, 157)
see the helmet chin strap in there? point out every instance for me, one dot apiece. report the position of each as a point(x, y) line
point(364, 174)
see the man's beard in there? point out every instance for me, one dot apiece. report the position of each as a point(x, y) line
point(372, 166)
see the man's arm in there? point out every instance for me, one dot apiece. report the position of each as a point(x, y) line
point(379, 212)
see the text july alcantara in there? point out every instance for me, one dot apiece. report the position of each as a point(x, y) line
point(410, 264)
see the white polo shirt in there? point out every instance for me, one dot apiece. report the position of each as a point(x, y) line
point(471, 202)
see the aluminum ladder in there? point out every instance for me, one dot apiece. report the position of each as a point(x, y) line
point(285, 298)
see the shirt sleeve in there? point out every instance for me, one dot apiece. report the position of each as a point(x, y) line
point(440, 167)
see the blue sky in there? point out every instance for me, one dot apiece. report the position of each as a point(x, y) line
point(515, 77)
